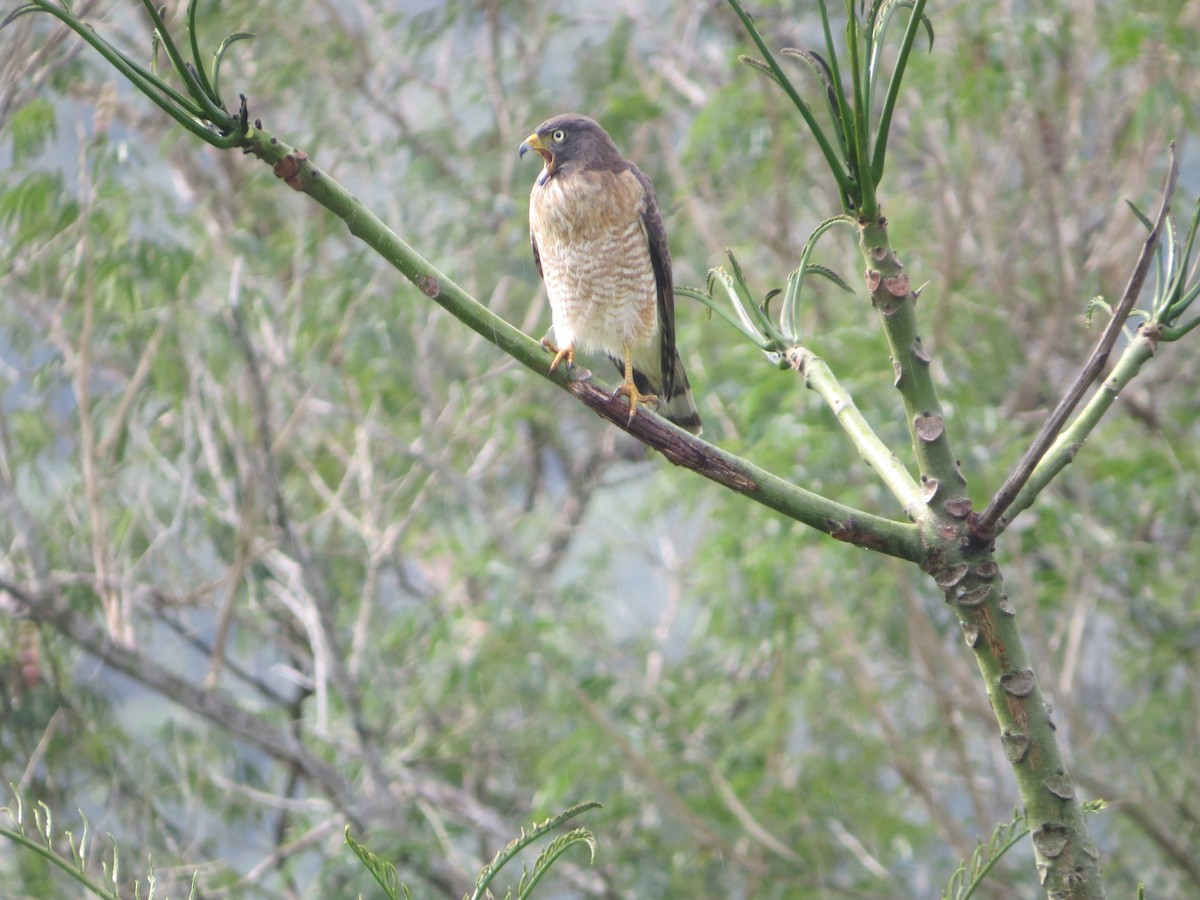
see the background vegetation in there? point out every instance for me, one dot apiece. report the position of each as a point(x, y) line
point(529, 611)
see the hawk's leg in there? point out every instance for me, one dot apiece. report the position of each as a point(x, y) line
point(629, 389)
point(567, 353)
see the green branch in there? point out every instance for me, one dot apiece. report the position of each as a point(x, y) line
point(1163, 315)
point(1176, 287)
point(1062, 452)
point(200, 112)
point(859, 170)
point(819, 377)
point(781, 343)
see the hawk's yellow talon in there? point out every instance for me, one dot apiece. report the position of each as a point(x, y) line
point(629, 389)
point(567, 353)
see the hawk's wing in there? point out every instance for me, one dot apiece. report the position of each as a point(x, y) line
point(660, 259)
point(537, 257)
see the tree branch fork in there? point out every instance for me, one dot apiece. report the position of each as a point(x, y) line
point(990, 521)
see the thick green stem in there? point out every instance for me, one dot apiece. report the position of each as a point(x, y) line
point(896, 305)
point(967, 573)
point(1065, 855)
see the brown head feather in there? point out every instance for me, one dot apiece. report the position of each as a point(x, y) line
point(577, 143)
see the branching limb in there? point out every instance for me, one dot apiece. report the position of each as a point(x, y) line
point(989, 519)
point(1177, 286)
point(970, 578)
point(1067, 444)
point(781, 341)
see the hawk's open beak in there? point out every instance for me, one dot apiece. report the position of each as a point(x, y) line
point(533, 142)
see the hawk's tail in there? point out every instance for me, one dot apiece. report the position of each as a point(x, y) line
point(675, 401)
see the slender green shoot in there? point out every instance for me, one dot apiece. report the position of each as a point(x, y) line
point(547, 858)
point(382, 870)
point(40, 840)
point(385, 873)
point(1176, 277)
point(858, 171)
point(199, 108)
point(971, 874)
point(881, 14)
point(753, 319)
point(772, 67)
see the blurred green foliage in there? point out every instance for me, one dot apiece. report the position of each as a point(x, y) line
point(532, 612)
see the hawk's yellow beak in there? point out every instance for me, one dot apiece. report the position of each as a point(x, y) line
point(533, 142)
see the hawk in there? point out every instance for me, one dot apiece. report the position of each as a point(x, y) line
point(599, 244)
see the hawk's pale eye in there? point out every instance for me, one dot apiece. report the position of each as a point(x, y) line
point(559, 136)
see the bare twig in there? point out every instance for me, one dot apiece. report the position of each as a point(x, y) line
point(79, 358)
point(214, 706)
point(320, 627)
point(985, 527)
point(120, 419)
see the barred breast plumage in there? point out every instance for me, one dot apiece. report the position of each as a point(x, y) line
point(596, 262)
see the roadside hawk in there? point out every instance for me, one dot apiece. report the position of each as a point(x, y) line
point(599, 244)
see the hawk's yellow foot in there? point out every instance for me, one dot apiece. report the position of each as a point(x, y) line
point(567, 353)
point(629, 389)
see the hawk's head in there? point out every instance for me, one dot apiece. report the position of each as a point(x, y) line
point(572, 142)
